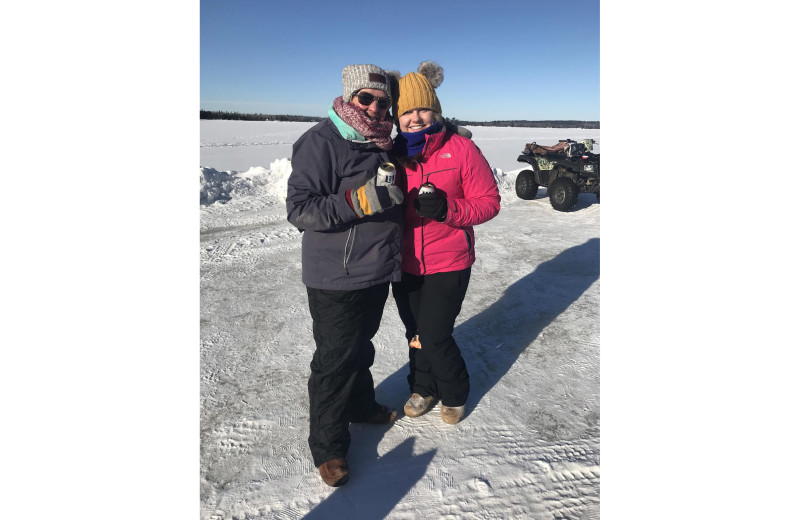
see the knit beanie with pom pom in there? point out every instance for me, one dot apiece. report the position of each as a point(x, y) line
point(416, 89)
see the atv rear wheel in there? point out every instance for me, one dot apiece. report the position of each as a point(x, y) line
point(526, 185)
point(563, 194)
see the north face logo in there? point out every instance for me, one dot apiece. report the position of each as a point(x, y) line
point(445, 156)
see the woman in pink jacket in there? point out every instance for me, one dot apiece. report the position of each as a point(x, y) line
point(438, 239)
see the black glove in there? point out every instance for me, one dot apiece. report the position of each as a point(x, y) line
point(431, 205)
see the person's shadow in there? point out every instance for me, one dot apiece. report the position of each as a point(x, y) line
point(491, 342)
point(378, 485)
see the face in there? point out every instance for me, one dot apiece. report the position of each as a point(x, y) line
point(371, 110)
point(416, 119)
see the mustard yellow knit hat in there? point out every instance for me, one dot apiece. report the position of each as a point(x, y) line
point(416, 89)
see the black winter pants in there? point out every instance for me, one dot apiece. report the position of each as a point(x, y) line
point(428, 306)
point(340, 387)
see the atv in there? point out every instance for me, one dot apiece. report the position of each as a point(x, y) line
point(565, 169)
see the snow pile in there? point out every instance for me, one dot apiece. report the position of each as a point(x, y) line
point(214, 186)
point(223, 186)
point(505, 181)
point(217, 186)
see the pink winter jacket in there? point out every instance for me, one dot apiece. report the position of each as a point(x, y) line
point(458, 169)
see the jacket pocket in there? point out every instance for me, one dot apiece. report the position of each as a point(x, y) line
point(468, 239)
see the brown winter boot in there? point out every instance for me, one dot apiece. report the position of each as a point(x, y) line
point(384, 415)
point(418, 405)
point(334, 472)
point(452, 414)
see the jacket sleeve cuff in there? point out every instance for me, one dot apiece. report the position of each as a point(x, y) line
point(448, 216)
point(348, 196)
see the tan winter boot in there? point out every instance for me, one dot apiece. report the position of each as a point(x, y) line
point(334, 472)
point(452, 414)
point(418, 405)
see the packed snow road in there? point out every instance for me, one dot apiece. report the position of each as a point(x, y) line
point(529, 330)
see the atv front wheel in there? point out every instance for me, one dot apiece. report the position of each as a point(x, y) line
point(563, 194)
point(526, 185)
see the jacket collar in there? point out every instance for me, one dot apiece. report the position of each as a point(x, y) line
point(346, 131)
point(434, 142)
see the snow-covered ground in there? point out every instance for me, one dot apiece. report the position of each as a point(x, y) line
point(529, 446)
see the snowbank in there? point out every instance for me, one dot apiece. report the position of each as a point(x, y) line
point(216, 186)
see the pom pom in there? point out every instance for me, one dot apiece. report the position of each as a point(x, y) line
point(432, 71)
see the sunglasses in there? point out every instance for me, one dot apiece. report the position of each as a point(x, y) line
point(366, 99)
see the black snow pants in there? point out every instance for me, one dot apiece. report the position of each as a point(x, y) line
point(428, 306)
point(340, 387)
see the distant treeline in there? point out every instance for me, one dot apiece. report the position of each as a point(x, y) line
point(528, 124)
point(218, 114)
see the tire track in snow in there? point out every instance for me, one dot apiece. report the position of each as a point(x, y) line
point(240, 144)
point(242, 242)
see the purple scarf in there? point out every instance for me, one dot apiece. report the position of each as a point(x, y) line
point(412, 143)
point(379, 132)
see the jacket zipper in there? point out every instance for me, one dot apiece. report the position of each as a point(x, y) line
point(422, 219)
point(347, 253)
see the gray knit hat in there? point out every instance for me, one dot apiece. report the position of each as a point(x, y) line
point(356, 77)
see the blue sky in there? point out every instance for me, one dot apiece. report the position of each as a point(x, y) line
point(533, 60)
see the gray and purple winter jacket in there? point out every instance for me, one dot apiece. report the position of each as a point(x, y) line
point(340, 251)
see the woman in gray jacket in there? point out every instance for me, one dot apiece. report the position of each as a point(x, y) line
point(351, 252)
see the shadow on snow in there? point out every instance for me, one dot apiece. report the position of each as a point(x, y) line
point(491, 342)
point(375, 486)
